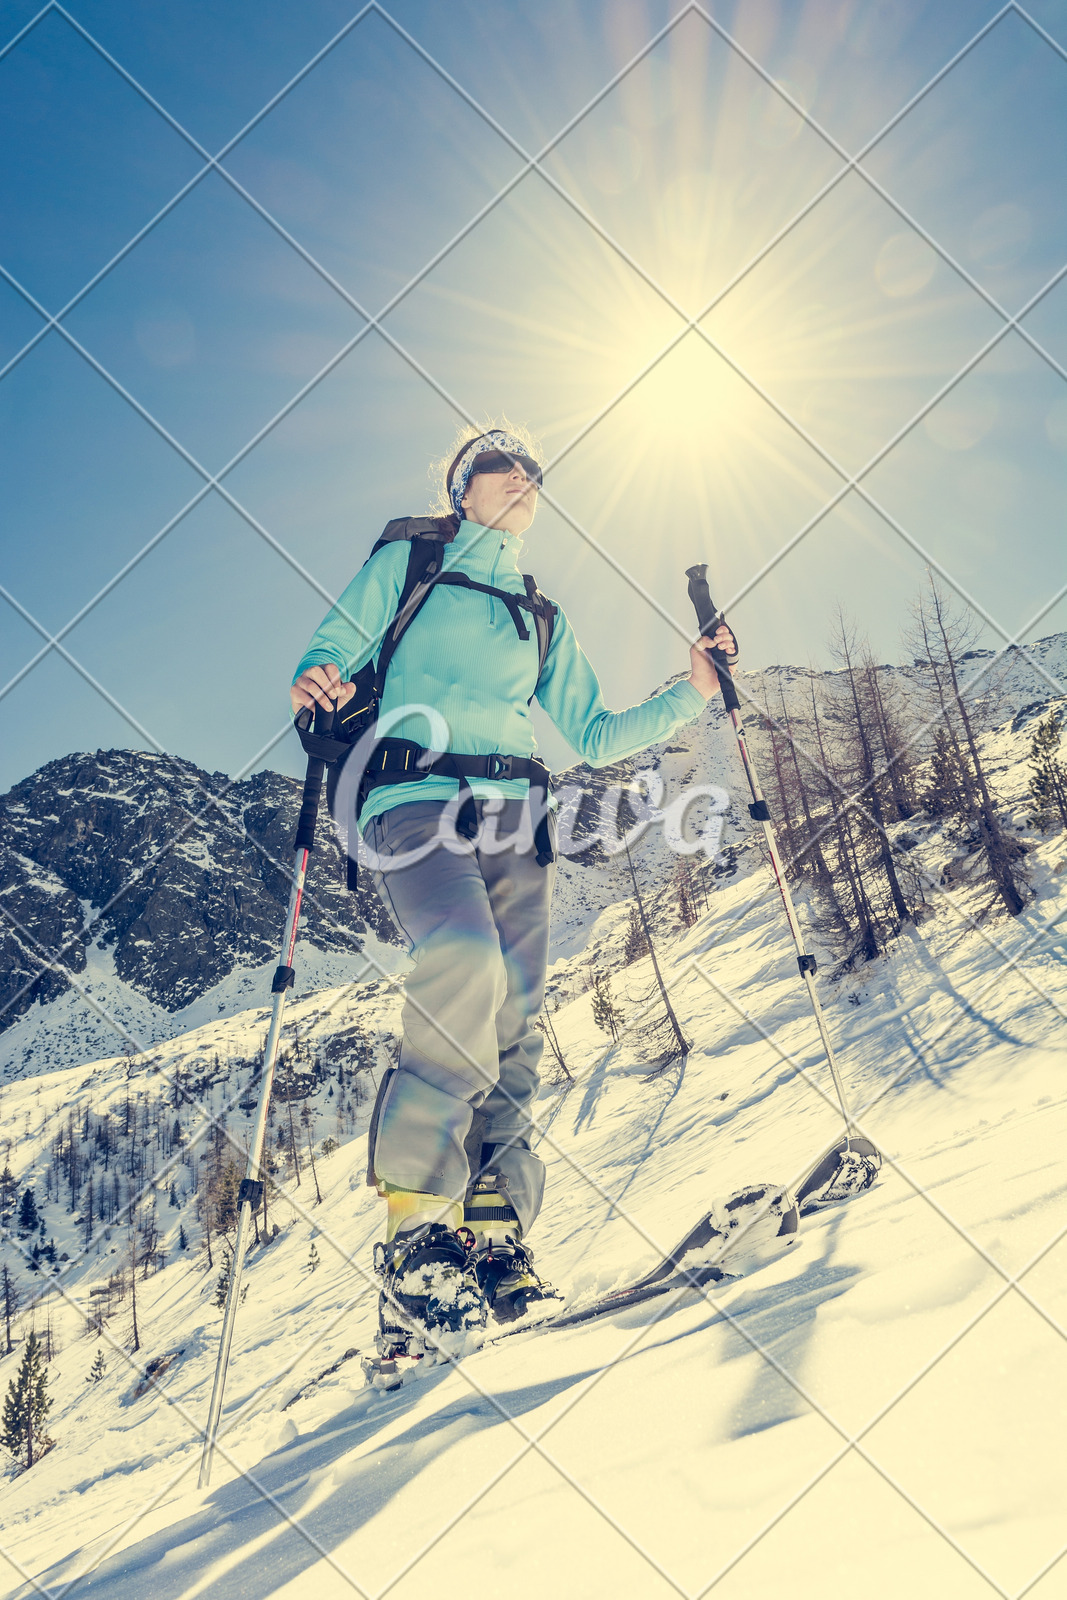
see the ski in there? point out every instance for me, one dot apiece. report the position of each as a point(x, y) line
point(847, 1170)
point(740, 1234)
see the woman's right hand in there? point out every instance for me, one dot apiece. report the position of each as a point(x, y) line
point(320, 686)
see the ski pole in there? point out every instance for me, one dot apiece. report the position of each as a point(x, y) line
point(250, 1192)
point(708, 619)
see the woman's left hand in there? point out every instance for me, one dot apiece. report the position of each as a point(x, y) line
point(704, 678)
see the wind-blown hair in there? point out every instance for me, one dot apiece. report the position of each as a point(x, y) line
point(442, 466)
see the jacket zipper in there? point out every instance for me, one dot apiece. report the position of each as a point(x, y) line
point(492, 580)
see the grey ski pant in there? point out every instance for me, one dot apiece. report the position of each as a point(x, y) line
point(476, 924)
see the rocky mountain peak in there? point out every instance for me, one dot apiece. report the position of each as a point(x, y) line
point(181, 874)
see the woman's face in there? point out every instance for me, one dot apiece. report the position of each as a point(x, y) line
point(505, 500)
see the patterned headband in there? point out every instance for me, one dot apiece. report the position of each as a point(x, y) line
point(494, 440)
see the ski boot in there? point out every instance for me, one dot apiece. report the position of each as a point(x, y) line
point(430, 1302)
point(503, 1264)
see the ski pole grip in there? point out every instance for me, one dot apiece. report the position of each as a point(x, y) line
point(309, 804)
point(708, 619)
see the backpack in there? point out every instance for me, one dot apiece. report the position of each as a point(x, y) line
point(428, 538)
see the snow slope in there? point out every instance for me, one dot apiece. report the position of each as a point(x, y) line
point(879, 1412)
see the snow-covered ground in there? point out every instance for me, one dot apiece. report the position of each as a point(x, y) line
point(880, 1412)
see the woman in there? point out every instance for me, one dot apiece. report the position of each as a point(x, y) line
point(450, 1137)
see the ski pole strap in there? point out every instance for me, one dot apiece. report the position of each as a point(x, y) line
point(708, 619)
point(309, 804)
point(251, 1189)
point(324, 747)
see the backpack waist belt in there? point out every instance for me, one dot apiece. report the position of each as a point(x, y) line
point(398, 761)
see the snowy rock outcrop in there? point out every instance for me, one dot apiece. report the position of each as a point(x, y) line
point(169, 869)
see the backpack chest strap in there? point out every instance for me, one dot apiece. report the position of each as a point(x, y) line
point(515, 604)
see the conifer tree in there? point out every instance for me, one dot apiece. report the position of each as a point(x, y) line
point(205, 1209)
point(10, 1297)
point(87, 1207)
point(29, 1217)
point(8, 1192)
point(225, 1196)
point(50, 1343)
point(944, 793)
point(222, 1282)
point(945, 638)
point(305, 1118)
point(840, 820)
point(1048, 775)
point(890, 723)
point(606, 1014)
point(149, 1238)
point(26, 1406)
point(294, 1151)
point(132, 1243)
point(683, 888)
point(635, 944)
point(547, 1027)
point(313, 1258)
point(98, 1368)
point(680, 1045)
point(867, 776)
point(94, 1318)
point(807, 787)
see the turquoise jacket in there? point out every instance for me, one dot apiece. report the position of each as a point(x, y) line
point(462, 656)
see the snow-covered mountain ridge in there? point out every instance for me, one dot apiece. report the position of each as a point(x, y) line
point(155, 883)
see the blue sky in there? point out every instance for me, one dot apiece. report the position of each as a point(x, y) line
point(773, 374)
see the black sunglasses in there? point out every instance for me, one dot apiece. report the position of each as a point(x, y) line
point(503, 461)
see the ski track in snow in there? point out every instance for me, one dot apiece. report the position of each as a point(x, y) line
point(670, 1438)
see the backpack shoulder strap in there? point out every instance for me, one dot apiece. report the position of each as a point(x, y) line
point(427, 538)
point(425, 556)
point(544, 616)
